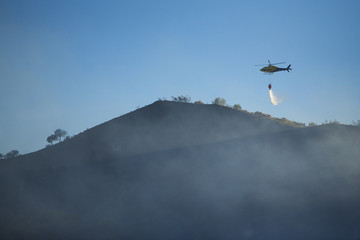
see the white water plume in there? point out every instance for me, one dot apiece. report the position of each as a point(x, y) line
point(275, 100)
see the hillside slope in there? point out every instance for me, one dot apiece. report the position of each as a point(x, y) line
point(160, 126)
point(164, 125)
point(187, 172)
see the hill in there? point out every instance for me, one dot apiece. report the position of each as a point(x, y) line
point(187, 171)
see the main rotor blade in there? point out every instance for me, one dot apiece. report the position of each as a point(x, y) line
point(278, 63)
point(270, 63)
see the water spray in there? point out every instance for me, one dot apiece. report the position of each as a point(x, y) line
point(275, 100)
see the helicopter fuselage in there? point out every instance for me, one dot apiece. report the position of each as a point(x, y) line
point(271, 69)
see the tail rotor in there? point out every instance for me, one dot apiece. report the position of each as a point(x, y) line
point(288, 68)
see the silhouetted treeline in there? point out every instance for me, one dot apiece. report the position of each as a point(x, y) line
point(11, 154)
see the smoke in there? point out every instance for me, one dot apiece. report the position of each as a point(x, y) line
point(275, 100)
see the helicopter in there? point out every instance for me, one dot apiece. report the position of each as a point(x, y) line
point(271, 68)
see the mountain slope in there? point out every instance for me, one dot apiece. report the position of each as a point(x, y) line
point(165, 125)
point(206, 172)
point(160, 126)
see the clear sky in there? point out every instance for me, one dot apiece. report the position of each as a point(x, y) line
point(76, 64)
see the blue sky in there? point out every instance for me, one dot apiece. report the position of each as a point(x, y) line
point(76, 64)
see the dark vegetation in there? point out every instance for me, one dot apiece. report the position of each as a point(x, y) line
point(57, 136)
point(11, 154)
point(174, 170)
point(184, 99)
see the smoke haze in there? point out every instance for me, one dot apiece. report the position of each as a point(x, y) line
point(187, 171)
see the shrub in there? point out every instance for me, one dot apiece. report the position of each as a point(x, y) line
point(237, 107)
point(184, 99)
point(50, 139)
point(12, 154)
point(219, 101)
